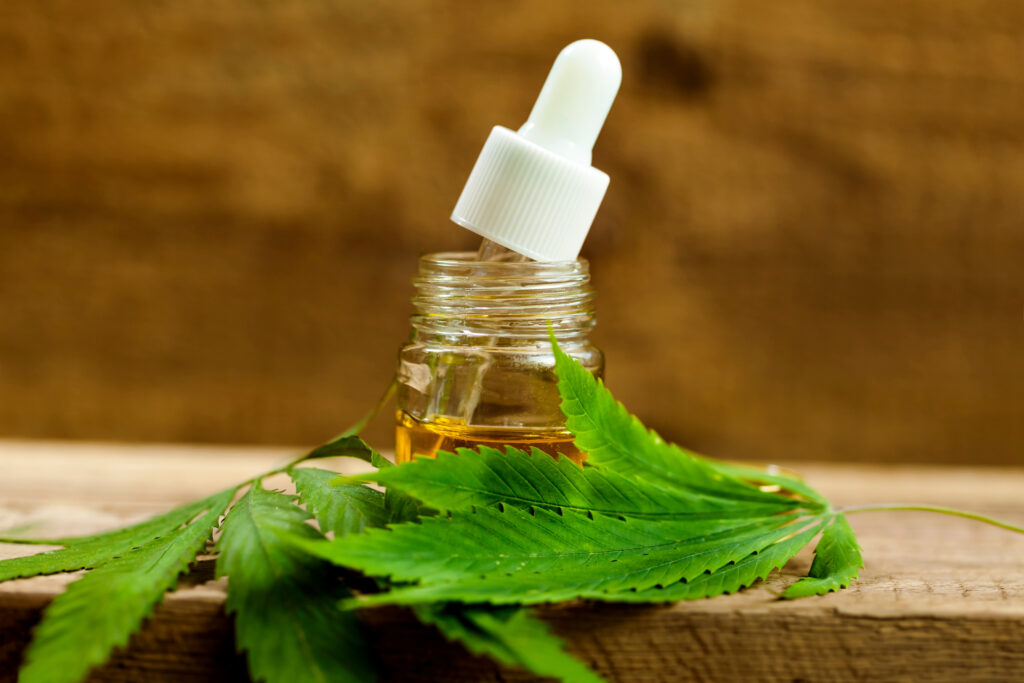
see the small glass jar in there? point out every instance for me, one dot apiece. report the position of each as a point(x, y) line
point(478, 367)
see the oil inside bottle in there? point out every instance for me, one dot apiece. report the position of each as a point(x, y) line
point(415, 438)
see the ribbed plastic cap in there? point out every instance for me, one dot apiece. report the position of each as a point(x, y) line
point(534, 191)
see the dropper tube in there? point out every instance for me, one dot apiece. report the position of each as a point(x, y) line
point(493, 252)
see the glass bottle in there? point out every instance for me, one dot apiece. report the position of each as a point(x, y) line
point(478, 367)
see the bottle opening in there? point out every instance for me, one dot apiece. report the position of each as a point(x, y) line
point(501, 302)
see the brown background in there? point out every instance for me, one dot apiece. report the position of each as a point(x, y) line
point(811, 248)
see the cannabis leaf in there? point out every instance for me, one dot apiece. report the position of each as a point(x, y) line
point(101, 610)
point(84, 552)
point(641, 518)
point(837, 561)
point(467, 478)
point(511, 556)
point(285, 601)
point(730, 578)
point(509, 635)
point(345, 445)
point(612, 437)
point(399, 506)
point(343, 509)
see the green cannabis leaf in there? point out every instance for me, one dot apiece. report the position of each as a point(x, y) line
point(399, 506)
point(344, 509)
point(101, 610)
point(613, 438)
point(345, 445)
point(285, 601)
point(643, 520)
point(509, 635)
point(536, 558)
point(487, 476)
point(731, 578)
point(86, 552)
point(837, 561)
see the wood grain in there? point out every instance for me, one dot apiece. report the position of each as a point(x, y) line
point(941, 599)
point(210, 213)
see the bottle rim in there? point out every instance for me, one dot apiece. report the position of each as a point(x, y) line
point(462, 298)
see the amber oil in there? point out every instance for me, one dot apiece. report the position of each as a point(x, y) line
point(414, 438)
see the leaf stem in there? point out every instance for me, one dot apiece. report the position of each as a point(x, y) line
point(932, 508)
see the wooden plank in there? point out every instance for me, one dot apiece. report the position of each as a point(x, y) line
point(941, 599)
point(209, 217)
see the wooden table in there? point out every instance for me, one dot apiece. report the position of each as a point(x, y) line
point(941, 599)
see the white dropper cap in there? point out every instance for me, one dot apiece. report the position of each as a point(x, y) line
point(534, 191)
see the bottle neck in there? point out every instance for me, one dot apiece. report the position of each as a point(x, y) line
point(502, 303)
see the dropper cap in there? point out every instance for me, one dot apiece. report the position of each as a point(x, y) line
point(534, 190)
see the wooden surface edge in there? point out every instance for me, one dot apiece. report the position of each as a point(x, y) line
point(192, 639)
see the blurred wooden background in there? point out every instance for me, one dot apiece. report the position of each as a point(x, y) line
point(812, 246)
